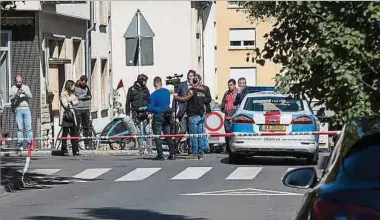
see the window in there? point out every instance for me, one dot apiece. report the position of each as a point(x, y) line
point(234, 4)
point(273, 104)
point(57, 49)
point(242, 38)
point(249, 73)
point(5, 64)
point(78, 56)
point(104, 90)
point(94, 84)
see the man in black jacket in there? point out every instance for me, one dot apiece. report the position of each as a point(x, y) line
point(137, 97)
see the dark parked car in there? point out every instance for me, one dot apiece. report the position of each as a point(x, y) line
point(349, 187)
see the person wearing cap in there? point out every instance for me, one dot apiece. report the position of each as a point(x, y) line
point(20, 96)
point(137, 97)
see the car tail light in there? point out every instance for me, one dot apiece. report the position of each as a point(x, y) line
point(304, 120)
point(327, 210)
point(243, 119)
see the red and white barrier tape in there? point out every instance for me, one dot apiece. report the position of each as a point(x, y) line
point(31, 148)
point(330, 133)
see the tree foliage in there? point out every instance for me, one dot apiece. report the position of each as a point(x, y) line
point(329, 51)
point(7, 6)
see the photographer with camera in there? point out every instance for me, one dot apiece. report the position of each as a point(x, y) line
point(195, 110)
point(159, 104)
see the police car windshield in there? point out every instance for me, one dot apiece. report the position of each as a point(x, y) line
point(272, 103)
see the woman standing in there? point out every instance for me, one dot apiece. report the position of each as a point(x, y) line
point(67, 118)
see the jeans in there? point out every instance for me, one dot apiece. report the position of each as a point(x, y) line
point(160, 125)
point(83, 120)
point(227, 128)
point(23, 119)
point(196, 124)
point(144, 130)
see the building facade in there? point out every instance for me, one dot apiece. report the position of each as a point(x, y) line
point(177, 44)
point(237, 36)
point(46, 43)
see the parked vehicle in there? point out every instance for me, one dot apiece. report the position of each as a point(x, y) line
point(350, 183)
point(265, 110)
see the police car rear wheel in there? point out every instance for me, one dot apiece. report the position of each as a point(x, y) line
point(234, 158)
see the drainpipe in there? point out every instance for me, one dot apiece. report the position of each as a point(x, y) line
point(110, 58)
point(88, 43)
point(202, 39)
point(88, 47)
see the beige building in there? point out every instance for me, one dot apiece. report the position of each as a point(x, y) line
point(237, 36)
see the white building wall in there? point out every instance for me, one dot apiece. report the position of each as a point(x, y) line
point(209, 51)
point(170, 21)
point(100, 49)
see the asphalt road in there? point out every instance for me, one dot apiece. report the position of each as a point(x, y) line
point(130, 187)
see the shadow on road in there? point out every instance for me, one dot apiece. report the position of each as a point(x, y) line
point(117, 214)
point(268, 161)
point(11, 179)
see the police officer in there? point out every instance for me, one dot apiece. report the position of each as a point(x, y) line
point(138, 97)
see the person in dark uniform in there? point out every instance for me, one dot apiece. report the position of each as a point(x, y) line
point(138, 97)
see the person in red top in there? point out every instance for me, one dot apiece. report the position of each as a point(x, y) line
point(228, 108)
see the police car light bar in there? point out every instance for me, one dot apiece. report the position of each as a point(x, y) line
point(253, 89)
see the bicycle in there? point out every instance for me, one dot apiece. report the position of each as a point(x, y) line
point(93, 142)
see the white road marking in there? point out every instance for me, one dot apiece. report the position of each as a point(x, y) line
point(91, 173)
point(45, 171)
point(192, 173)
point(244, 192)
point(138, 174)
point(244, 173)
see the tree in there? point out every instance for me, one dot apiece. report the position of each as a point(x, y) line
point(329, 51)
point(8, 6)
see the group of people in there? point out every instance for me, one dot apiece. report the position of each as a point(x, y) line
point(75, 101)
point(191, 102)
point(231, 100)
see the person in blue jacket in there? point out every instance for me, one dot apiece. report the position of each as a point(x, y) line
point(159, 105)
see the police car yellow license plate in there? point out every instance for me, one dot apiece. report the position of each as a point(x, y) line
point(273, 127)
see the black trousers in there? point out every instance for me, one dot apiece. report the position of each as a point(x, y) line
point(83, 120)
point(73, 131)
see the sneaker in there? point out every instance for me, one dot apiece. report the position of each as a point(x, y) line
point(171, 157)
point(159, 157)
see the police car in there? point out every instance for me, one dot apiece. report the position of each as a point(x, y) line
point(265, 110)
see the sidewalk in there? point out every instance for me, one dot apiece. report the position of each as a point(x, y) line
point(83, 152)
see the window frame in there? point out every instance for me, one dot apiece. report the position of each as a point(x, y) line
point(8, 51)
point(244, 67)
point(242, 47)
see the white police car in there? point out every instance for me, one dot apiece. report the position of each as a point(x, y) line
point(265, 110)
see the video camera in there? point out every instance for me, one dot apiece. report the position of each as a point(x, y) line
point(174, 80)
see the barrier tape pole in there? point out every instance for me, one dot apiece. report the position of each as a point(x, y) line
point(330, 133)
point(31, 148)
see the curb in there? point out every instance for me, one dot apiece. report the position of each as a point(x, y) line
point(83, 152)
